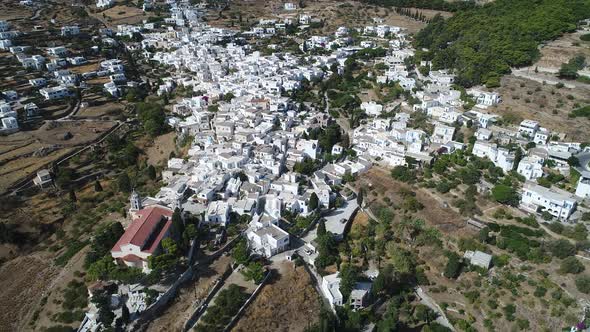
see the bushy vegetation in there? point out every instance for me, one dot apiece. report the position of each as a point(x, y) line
point(582, 112)
point(152, 118)
point(227, 304)
point(484, 42)
point(425, 4)
point(570, 69)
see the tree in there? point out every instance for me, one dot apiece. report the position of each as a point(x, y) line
point(562, 248)
point(240, 253)
point(573, 161)
point(453, 267)
point(190, 232)
point(403, 173)
point(424, 314)
point(177, 228)
point(583, 284)
point(313, 201)
point(151, 172)
point(65, 176)
point(124, 183)
point(505, 194)
point(254, 271)
point(360, 197)
point(124, 314)
point(348, 276)
point(73, 197)
point(321, 231)
point(97, 186)
point(571, 265)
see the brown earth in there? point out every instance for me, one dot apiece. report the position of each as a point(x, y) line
point(159, 151)
point(288, 303)
point(550, 106)
point(379, 181)
point(23, 282)
point(561, 50)
point(175, 316)
point(121, 14)
point(333, 13)
point(24, 152)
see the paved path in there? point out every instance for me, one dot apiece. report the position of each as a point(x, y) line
point(429, 302)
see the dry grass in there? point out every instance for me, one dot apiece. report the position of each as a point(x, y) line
point(159, 151)
point(121, 14)
point(378, 183)
point(545, 103)
point(289, 303)
point(334, 14)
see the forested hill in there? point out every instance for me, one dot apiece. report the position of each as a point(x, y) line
point(425, 4)
point(483, 42)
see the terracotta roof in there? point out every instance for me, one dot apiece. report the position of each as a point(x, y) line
point(141, 231)
point(131, 258)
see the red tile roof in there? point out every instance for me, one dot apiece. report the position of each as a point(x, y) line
point(141, 230)
point(131, 258)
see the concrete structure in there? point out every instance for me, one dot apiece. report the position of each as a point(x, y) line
point(557, 202)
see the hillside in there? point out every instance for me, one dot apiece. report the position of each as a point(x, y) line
point(485, 42)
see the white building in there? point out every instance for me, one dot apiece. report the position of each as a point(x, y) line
point(557, 202)
point(103, 4)
point(530, 167)
point(290, 6)
point(331, 289)
point(4, 26)
point(58, 51)
point(359, 296)
point(583, 188)
point(528, 128)
point(478, 258)
point(541, 136)
point(43, 178)
point(500, 156)
point(485, 99)
point(217, 213)
point(372, 108)
point(57, 92)
point(267, 240)
point(38, 82)
point(68, 31)
point(442, 134)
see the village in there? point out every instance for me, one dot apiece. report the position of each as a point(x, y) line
point(275, 146)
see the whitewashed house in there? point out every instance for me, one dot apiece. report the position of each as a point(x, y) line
point(68, 31)
point(583, 188)
point(103, 4)
point(541, 136)
point(528, 128)
point(559, 203)
point(442, 134)
point(372, 108)
point(53, 93)
point(4, 26)
point(267, 240)
point(530, 167)
point(217, 213)
point(359, 296)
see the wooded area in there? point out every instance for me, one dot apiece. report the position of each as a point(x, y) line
point(483, 43)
